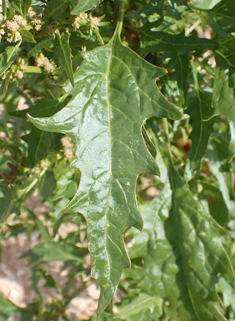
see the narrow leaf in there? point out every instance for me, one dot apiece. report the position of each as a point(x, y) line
point(199, 108)
point(114, 93)
point(65, 56)
point(84, 5)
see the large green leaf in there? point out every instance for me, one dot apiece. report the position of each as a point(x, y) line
point(161, 41)
point(182, 246)
point(84, 5)
point(114, 93)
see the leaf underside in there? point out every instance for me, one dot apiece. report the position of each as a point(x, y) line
point(114, 93)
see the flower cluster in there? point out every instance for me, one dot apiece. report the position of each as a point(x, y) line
point(35, 19)
point(68, 147)
point(93, 22)
point(42, 61)
point(79, 19)
point(12, 26)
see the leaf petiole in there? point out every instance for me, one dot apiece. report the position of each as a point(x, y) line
point(98, 35)
point(120, 17)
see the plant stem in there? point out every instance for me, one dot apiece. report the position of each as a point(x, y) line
point(4, 7)
point(96, 30)
point(121, 16)
point(166, 138)
point(194, 26)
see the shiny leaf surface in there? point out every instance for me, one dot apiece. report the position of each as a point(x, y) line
point(114, 93)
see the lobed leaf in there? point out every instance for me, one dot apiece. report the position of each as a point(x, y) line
point(161, 41)
point(114, 93)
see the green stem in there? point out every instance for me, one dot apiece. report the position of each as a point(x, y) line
point(96, 30)
point(121, 17)
point(194, 26)
point(166, 138)
point(4, 8)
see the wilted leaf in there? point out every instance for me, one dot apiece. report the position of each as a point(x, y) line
point(114, 93)
point(161, 41)
point(84, 5)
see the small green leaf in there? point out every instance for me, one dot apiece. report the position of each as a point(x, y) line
point(8, 57)
point(161, 41)
point(27, 36)
point(114, 93)
point(65, 56)
point(84, 5)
